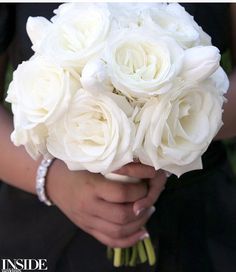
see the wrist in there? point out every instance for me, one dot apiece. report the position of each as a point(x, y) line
point(56, 179)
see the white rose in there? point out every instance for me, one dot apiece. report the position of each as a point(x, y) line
point(33, 139)
point(94, 134)
point(175, 129)
point(40, 92)
point(220, 80)
point(95, 78)
point(76, 35)
point(141, 64)
point(128, 15)
point(199, 63)
point(37, 28)
point(173, 20)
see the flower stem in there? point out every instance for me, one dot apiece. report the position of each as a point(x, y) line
point(150, 251)
point(127, 256)
point(133, 256)
point(117, 257)
point(141, 252)
point(110, 253)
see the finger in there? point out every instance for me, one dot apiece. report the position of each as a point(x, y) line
point(118, 192)
point(120, 243)
point(120, 213)
point(114, 242)
point(116, 231)
point(156, 186)
point(137, 170)
point(113, 212)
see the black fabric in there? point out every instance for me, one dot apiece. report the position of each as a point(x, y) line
point(7, 22)
point(21, 47)
point(29, 229)
point(196, 224)
point(214, 19)
point(193, 228)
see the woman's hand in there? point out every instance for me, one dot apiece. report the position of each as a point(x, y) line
point(103, 208)
point(155, 180)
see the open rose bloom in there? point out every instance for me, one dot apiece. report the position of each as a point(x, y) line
point(110, 83)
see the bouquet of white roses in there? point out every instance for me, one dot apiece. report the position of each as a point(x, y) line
point(110, 83)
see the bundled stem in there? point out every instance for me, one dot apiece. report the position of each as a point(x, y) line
point(142, 252)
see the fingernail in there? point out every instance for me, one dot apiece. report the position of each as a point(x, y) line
point(151, 210)
point(137, 213)
point(144, 236)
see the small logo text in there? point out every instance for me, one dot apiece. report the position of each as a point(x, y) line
point(18, 265)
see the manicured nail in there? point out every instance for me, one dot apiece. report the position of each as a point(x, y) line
point(137, 213)
point(151, 210)
point(144, 236)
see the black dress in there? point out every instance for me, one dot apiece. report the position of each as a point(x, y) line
point(194, 226)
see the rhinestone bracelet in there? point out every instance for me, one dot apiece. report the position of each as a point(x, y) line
point(41, 181)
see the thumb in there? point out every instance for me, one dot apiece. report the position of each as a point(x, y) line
point(156, 186)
